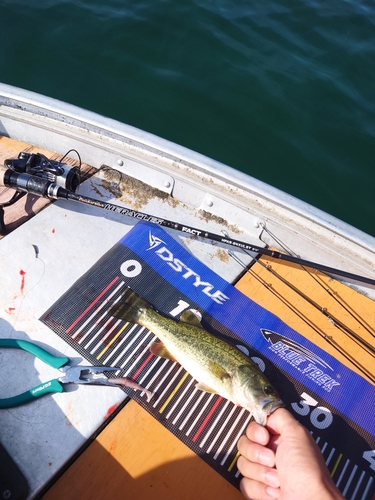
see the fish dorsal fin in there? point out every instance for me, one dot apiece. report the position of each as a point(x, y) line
point(219, 371)
point(191, 318)
point(204, 387)
point(159, 349)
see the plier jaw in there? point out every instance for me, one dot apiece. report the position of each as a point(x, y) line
point(92, 375)
point(73, 374)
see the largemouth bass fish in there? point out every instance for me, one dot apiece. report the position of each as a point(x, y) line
point(217, 366)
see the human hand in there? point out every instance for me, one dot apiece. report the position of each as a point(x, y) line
point(283, 461)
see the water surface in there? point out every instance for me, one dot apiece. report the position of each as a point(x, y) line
point(283, 90)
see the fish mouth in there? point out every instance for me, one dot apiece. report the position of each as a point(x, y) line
point(272, 405)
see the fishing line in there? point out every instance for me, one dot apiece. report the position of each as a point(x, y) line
point(355, 338)
point(275, 293)
point(325, 287)
point(306, 320)
point(333, 320)
point(72, 151)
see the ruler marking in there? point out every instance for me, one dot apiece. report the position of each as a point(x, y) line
point(150, 368)
point(336, 465)
point(343, 472)
point(142, 366)
point(350, 480)
point(234, 461)
point(96, 335)
point(96, 311)
point(222, 429)
point(330, 456)
point(369, 483)
point(193, 407)
point(214, 423)
point(157, 373)
point(178, 401)
point(89, 330)
point(168, 384)
point(235, 440)
point(234, 424)
point(103, 340)
point(129, 345)
point(357, 486)
point(119, 346)
point(91, 305)
point(141, 354)
point(207, 419)
point(200, 413)
point(112, 341)
point(176, 388)
point(107, 327)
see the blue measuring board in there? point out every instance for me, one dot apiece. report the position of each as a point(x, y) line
point(329, 399)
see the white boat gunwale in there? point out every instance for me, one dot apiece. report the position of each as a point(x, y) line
point(311, 232)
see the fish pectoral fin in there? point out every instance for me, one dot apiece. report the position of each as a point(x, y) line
point(219, 371)
point(190, 318)
point(159, 349)
point(205, 388)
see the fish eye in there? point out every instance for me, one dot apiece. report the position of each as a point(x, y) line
point(268, 389)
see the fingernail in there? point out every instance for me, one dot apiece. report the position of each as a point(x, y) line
point(272, 478)
point(266, 458)
point(273, 492)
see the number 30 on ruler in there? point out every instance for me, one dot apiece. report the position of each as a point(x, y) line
point(320, 417)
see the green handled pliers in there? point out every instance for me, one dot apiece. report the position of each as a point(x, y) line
point(72, 374)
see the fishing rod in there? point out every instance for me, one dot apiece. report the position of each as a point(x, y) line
point(45, 188)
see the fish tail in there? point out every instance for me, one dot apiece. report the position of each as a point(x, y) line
point(130, 307)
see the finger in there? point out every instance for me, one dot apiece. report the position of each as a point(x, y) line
point(283, 426)
point(255, 452)
point(274, 443)
point(253, 490)
point(260, 473)
point(257, 433)
point(280, 421)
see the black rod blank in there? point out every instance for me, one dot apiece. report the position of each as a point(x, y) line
point(41, 187)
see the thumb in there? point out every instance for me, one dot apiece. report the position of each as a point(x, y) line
point(281, 422)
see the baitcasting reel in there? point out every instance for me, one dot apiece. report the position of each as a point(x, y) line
point(39, 165)
point(43, 170)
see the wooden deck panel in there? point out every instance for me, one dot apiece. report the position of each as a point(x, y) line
point(135, 457)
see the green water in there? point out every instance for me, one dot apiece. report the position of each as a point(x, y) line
point(283, 90)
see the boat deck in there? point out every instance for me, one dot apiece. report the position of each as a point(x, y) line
point(134, 456)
